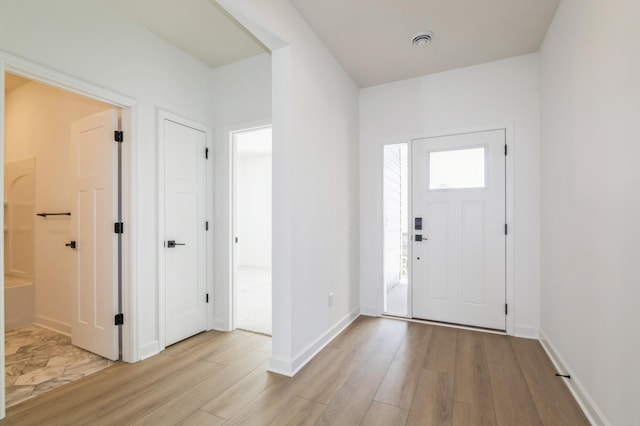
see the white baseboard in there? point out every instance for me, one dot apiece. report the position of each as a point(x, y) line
point(291, 367)
point(219, 325)
point(149, 349)
point(369, 311)
point(526, 332)
point(281, 366)
point(53, 324)
point(588, 405)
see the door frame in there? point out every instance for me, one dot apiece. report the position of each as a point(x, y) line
point(163, 115)
point(24, 68)
point(509, 211)
point(233, 158)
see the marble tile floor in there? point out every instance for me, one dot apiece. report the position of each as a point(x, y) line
point(38, 360)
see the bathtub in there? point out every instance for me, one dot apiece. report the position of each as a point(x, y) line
point(18, 302)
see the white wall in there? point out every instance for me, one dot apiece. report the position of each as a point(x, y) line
point(315, 133)
point(590, 63)
point(254, 209)
point(92, 41)
point(38, 125)
point(241, 97)
point(498, 93)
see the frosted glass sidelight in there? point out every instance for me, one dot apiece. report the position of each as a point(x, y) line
point(461, 168)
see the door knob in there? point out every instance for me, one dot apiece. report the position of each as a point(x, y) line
point(172, 244)
point(71, 244)
point(419, 237)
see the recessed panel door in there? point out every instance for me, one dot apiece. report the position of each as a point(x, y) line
point(458, 257)
point(94, 247)
point(185, 243)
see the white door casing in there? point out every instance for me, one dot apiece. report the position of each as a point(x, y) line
point(93, 213)
point(458, 270)
point(185, 225)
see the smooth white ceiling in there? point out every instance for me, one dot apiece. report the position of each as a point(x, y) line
point(371, 38)
point(199, 27)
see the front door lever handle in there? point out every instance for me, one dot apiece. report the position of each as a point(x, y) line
point(172, 244)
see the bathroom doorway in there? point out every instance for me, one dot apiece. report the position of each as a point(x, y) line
point(46, 237)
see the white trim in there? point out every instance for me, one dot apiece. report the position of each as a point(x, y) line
point(163, 115)
point(291, 367)
point(36, 72)
point(53, 324)
point(150, 349)
point(219, 326)
point(526, 332)
point(53, 329)
point(281, 366)
point(33, 71)
point(582, 397)
point(511, 222)
point(509, 212)
point(370, 311)
point(130, 213)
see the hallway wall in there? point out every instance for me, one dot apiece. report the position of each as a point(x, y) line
point(315, 183)
point(590, 63)
point(241, 95)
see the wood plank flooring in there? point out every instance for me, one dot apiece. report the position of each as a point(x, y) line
point(377, 372)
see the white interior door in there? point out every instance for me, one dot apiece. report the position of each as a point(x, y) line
point(458, 195)
point(185, 231)
point(93, 213)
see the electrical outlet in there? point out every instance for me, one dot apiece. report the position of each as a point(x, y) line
point(330, 300)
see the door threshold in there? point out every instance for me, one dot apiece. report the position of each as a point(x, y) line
point(445, 324)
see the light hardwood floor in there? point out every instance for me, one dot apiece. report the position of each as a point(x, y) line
point(377, 372)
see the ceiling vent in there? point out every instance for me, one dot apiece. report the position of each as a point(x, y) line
point(422, 39)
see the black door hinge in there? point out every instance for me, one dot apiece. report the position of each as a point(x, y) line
point(505, 149)
point(506, 309)
point(207, 298)
point(206, 226)
point(506, 229)
point(118, 228)
point(119, 319)
point(118, 136)
point(206, 153)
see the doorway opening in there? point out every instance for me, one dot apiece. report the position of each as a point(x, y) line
point(251, 227)
point(56, 224)
point(396, 216)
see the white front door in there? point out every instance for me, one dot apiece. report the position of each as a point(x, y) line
point(184, 231)
point(458, 205)
point(93, 213)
